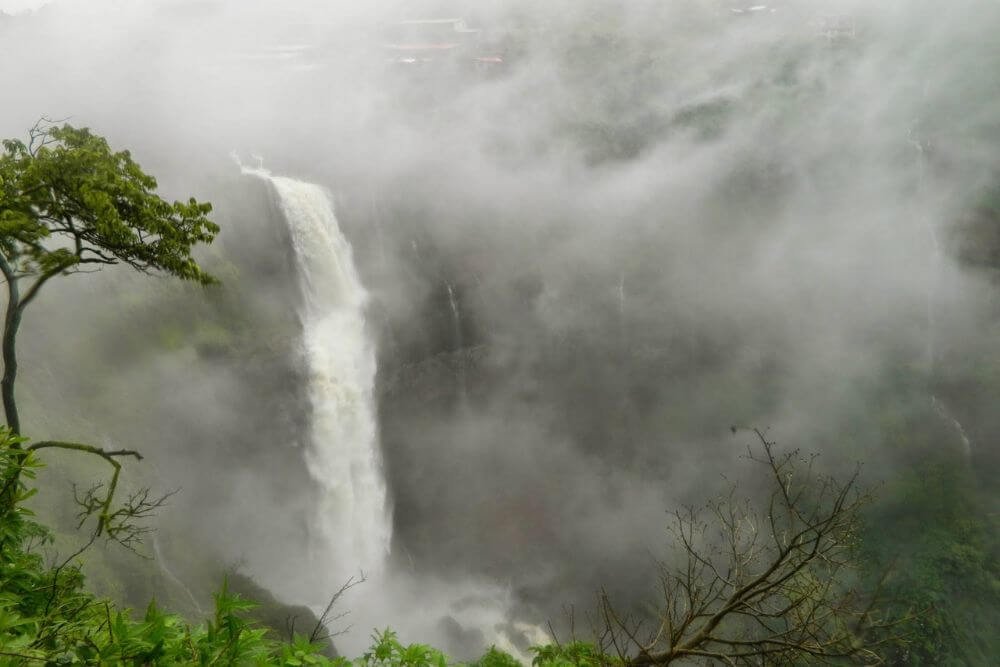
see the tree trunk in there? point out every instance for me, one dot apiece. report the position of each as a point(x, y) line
point(12, 321)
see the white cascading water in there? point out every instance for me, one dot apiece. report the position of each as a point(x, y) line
point(456, 325)
point(456, 319)
point(936, 265)
point(352, 520)
point(173, 578)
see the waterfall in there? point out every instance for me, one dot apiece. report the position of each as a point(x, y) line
point(173, 578)
point(456, 318)
point(621, 296)
point(352, 523)
point(934, 284)
point(456, 324)
point(621, 309)
point(937, 254)
point(963, 436)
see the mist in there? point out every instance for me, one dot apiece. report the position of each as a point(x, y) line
point(656, 222)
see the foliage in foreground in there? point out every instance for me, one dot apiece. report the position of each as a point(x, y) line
point(788, 587)
point(47, 617)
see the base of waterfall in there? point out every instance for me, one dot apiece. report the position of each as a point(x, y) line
point(463, 618)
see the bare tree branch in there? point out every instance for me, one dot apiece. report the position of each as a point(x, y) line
point(325, 618)
point(753, 588)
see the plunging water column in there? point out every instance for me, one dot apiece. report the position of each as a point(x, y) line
point(352, 525)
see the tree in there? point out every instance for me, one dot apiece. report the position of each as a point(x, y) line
point(69, 204)
point(751, 587)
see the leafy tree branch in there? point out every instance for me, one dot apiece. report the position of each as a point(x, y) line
point(69, 203)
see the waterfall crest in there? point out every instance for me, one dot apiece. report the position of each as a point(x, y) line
point(352, 523)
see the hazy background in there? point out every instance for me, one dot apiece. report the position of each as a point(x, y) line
point(659, 221)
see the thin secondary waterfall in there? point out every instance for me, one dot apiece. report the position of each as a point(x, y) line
point(352, 521)
point(621, 308)
point(936, 264)
point(945, 414)
point(456, 325)
point(456, 319)
point(173, 578)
